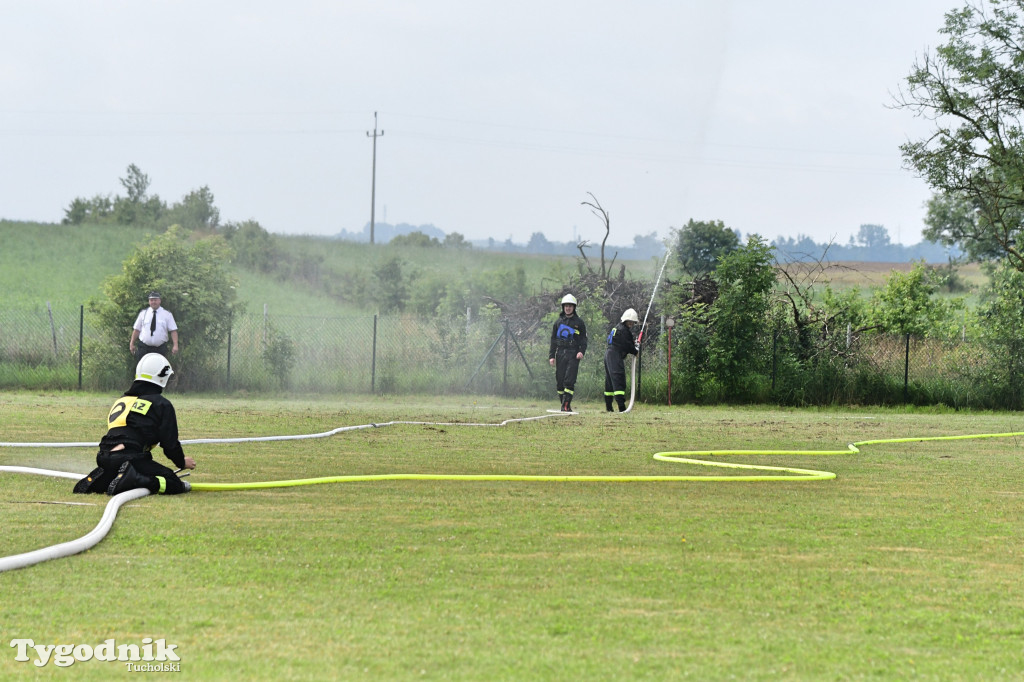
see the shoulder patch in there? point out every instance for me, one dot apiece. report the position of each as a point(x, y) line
point(118, 415)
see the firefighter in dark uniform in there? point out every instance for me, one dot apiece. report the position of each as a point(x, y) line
point(620, 344)
point(139, 420)
point(568, 344)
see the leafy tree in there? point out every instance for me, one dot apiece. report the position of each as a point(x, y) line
point(95, 210)
point(873, 236)
point(846, 308)
point(737, 351)
point(426, 293)
point(970, 87)
point(724, 350)
point(196, 211)
point(254, 247)
point(539, 244)
point(454, 240)
point(138, 208)
point(907, 304)
point(648, 244)
point(196, 286)
point(1002, 313)
point(136, 183)
point(799, 249)
point(700, 244)
point(954, 219)
point(415, 239)
point(392, 289)
point(279, 354)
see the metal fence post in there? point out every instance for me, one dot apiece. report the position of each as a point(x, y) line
point(53, 329)
point(906, 370)
point(504, 377)
point(668, 345)
point(775, 356)
point(231, 320)
point(81, 342)
point(373, 359)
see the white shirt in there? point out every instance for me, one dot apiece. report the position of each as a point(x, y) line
point(164, 326)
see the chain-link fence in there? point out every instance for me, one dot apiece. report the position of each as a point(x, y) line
point(42, 348)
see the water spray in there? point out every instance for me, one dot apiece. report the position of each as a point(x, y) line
point(643, 326)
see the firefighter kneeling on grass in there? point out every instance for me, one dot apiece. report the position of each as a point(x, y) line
point(568, 344)
point(139, 420)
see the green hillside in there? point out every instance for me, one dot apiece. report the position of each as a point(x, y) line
point(41, 262)
point(67, 265)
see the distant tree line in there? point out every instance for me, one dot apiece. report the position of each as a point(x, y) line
point(872, 243)
point(643, 247)
point(195, 211)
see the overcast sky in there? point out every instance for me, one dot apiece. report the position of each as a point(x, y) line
point(773, 116)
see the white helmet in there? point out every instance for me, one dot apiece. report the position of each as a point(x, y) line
point(629, 316)
point(568, 299)
point(153, 368)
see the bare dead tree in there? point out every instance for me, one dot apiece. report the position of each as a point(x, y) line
point(602, 214)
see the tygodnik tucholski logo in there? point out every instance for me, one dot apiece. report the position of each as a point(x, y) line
point(153, 655)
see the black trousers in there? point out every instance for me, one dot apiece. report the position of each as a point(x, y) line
point(614, 373)
point(566, 369)
point(142, 349)
point(143, 464)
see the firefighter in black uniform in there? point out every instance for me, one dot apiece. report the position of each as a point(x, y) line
point(620, 344)
point(568, 344)
point(139, 420)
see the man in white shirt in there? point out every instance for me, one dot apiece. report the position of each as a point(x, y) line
point(152, 329)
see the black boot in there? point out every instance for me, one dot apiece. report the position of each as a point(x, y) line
point(622, 403)
point(608, 404)
point(129, 479)
point(90, 484)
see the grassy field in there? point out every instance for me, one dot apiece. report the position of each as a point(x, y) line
point(67, 264)
point(870, 276)
point(906, 566)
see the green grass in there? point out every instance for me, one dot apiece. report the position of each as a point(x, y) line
point(906, 566)
point(67, 265)
point(64, 264)
point(348, 256)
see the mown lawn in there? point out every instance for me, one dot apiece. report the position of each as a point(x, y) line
point(906, 566)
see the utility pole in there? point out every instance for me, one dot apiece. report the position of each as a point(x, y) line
point(373, 182)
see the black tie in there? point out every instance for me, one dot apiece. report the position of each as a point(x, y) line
point(152, 323)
